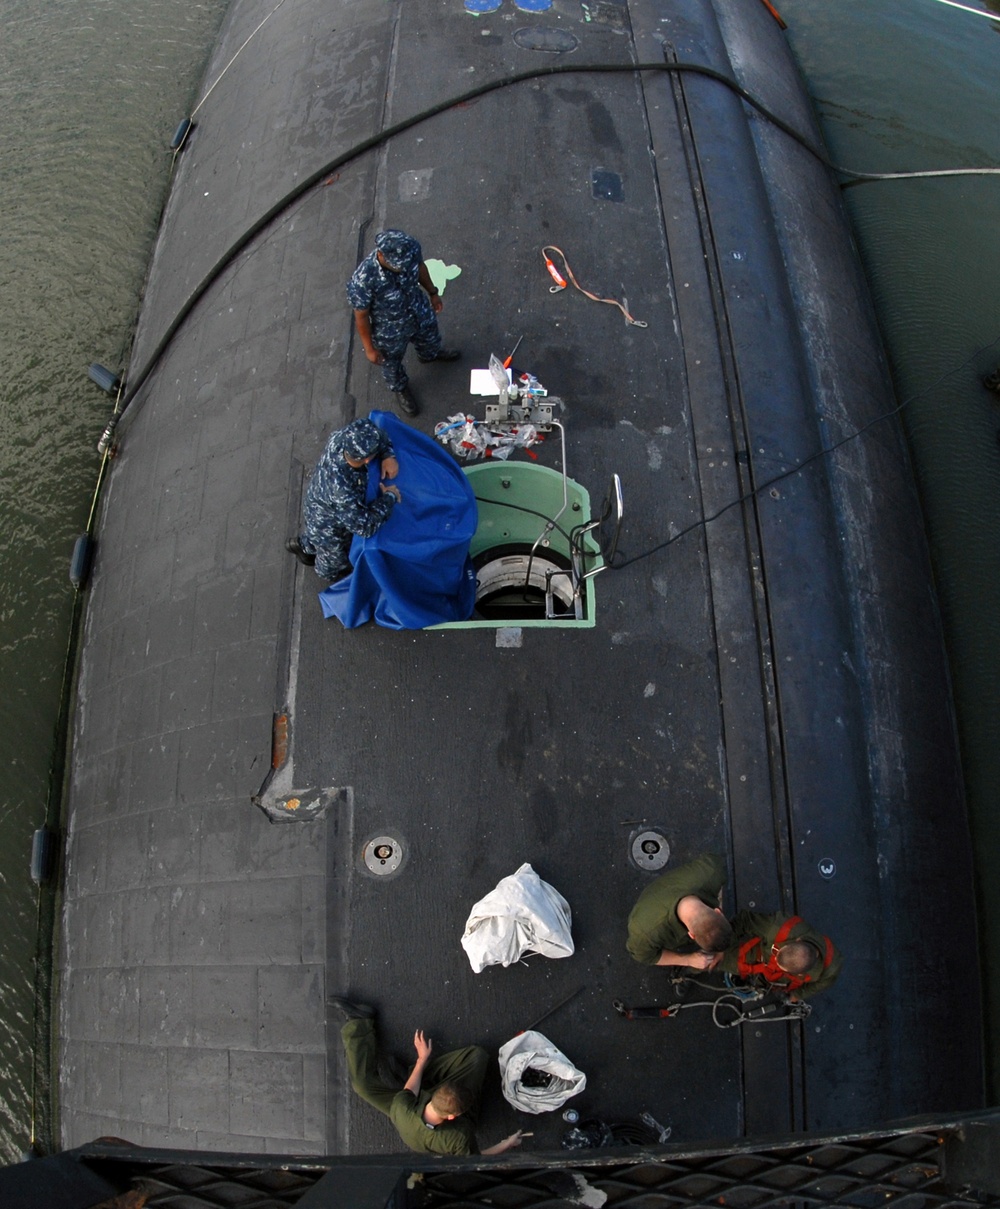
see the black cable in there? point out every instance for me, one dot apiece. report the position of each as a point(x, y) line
point(401, 127)
point(531, 512)
point(632, 1133)
point(826, 451)
point(471, 94)
point(576, 535)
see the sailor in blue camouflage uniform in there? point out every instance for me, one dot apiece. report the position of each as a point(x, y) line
point(335, 508)
point(395, 304)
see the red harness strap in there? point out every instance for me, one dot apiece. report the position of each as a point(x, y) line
point(749, 962)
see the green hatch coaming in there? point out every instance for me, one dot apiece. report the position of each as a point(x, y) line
point(514, 500)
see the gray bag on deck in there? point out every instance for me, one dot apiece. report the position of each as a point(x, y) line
point(559, 1079)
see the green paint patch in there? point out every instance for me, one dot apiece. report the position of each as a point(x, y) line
point(442, 273)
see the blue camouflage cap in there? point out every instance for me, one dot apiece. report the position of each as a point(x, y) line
point(399, 249)
point(361, 438)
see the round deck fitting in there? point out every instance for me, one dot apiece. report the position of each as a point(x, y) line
point(383, 855)
point(649, 850)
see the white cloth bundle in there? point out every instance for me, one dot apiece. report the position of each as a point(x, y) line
point(521, 915)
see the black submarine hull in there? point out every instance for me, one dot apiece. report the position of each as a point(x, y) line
point(765, 676)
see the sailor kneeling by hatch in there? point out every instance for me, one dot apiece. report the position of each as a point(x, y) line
point(335, 507)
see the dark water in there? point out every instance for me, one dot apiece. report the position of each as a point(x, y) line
point(92, 93)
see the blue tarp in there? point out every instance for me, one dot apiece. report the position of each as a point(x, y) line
point(416, 570)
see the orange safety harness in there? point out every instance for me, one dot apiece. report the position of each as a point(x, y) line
point(749, 963)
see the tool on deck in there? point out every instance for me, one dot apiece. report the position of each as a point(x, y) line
point(523, 400)
point(760, 1013)
point(506, 363)
point(646, 1013)
point(552, 1010)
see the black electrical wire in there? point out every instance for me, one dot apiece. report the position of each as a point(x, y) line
point(531, 512)
point(471, 94)
point(826, 451)
point(353, 153)
point(550, 523)
point(424, 115)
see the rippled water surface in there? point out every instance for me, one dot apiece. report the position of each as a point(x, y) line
point(91, 96)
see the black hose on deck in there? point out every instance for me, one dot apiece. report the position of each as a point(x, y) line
point(401, 127)
point(424, 115)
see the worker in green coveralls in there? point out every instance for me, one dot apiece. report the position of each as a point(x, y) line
point(678, 918)
point(435, 1110)
point(782, 951)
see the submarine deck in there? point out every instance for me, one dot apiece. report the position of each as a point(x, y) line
point(770, 686)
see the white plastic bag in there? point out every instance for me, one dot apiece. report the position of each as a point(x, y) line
point(532, 1051)
point(521, 915)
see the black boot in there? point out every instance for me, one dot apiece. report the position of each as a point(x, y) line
point(350, 1010)
point(295, 547)
point(407, 403)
